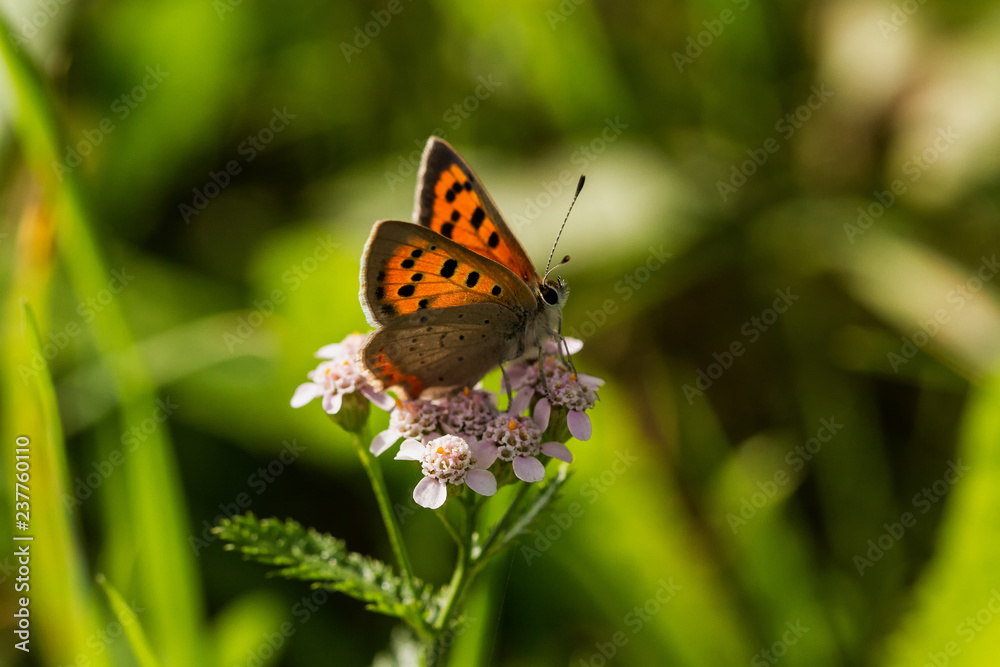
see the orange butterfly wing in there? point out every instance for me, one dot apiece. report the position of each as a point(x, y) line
point(451, 200)
point(446, 315)
point(407, 268)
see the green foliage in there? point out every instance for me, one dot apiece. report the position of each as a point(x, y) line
point(894, 335)
point(132, 626)
point(529, 517)
point(304, 554)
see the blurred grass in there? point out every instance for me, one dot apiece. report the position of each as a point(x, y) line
point(344, 160)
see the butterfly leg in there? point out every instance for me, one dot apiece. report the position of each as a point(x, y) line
point(561, 343)
point(541, 369)
point(506, 382)
point(565, 356)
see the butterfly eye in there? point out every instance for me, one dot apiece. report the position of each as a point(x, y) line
point(550, 295)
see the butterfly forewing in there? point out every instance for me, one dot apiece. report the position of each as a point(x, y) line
point(451, 201)
point(408, 268)
point(441, 349)
point(455, 294)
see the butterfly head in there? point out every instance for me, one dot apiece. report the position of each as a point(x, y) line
point(553, 293)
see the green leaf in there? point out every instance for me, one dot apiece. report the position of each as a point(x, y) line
point(133, 629)
point(306, 554)
point(962, 584)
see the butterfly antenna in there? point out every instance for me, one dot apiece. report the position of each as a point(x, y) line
point(548, 265)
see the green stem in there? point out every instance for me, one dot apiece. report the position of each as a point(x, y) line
point(483, 553)
point(374, 472)
point(461, 578)
point(450, 528)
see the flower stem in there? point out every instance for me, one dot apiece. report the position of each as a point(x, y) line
point(460, 581)
point(374, 472)
point(483, 552)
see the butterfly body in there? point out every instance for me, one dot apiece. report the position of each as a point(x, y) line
point(454, 294)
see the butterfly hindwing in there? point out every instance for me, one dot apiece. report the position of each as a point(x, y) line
point(451, 201)
point(408, 268)
point(441, 349)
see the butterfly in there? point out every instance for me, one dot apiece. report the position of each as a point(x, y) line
point(452, 294)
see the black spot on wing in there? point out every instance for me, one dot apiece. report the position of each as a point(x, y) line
point(448, 268)
point(477, 217)
point(472, 279)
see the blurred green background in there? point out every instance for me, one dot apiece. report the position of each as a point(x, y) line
point(784, 263)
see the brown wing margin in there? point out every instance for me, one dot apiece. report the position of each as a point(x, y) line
point(452, 201)
point(441, 351)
